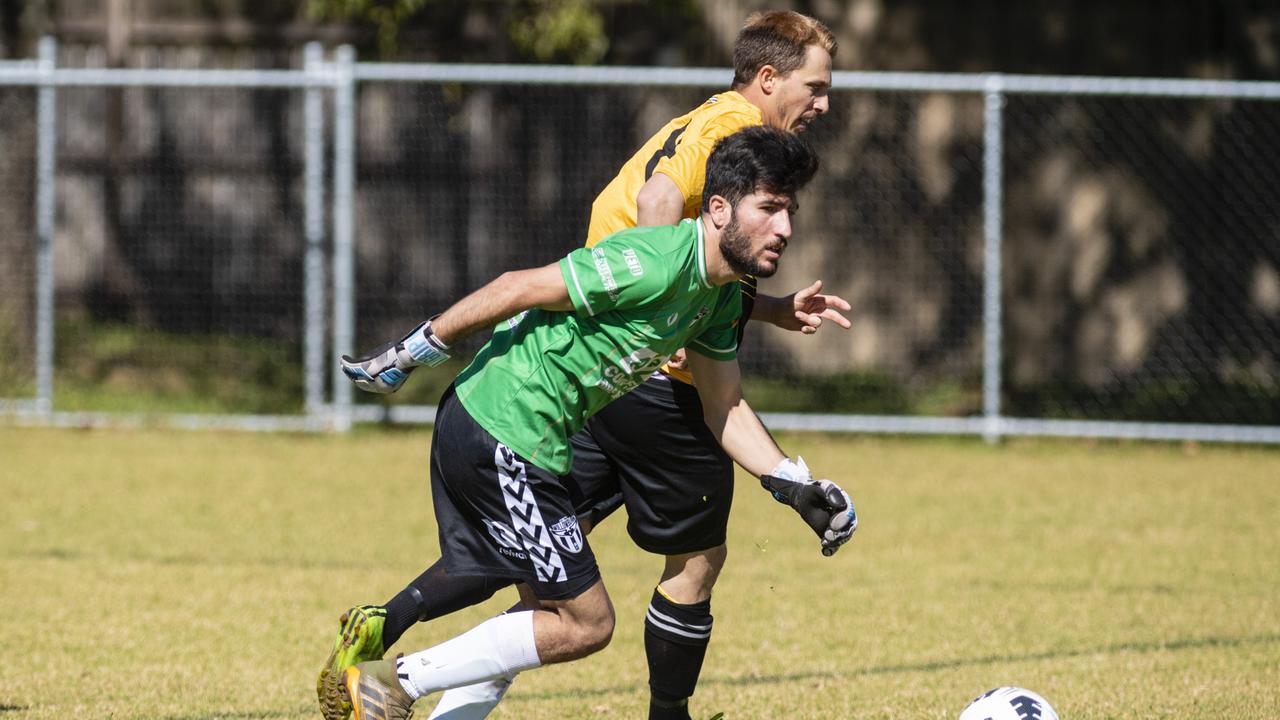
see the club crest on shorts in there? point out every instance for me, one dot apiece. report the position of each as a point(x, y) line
point(567, 534)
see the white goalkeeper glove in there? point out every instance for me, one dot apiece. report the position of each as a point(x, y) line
point(386, 368)
point(824, 506)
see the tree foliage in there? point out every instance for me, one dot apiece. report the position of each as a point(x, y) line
point(541, 30)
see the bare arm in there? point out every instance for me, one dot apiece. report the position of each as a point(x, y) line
point(803, 310)
point(659, 202)
point(510, 294)
point(733, 422)
point(822, 504)
point(387, 367)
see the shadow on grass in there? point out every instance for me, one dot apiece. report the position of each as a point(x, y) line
point(241, 715)
point(934, 666)
point(189, 560)
point(307, 710)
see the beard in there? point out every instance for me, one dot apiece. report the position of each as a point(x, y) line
point(735, 247)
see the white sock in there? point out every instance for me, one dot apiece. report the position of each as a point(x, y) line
point(471, 702)
point(496, 648)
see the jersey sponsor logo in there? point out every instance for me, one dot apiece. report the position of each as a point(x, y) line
point(623, 377)
point(633, 262)
point(672, 318)
point(526, 518)
point(606, 274)
point(513, 322)
point(567, 534)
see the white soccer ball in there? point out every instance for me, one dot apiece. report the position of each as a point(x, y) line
point(1009, 703)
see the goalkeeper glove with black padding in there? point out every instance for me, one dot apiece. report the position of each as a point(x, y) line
point(386, 368)
point(823, 505)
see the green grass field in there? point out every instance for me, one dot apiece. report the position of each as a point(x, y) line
point(152, 574)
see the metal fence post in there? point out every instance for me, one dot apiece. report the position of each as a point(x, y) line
point(46, 147)
point(344, 123)
point(313, 314)
point(993, 198)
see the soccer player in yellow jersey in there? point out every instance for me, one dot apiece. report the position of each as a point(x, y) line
point(650, 449)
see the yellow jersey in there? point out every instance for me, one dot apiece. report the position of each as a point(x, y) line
point(680, 151)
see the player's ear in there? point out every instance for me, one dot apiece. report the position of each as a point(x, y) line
point(721, 211)
point(767, 77)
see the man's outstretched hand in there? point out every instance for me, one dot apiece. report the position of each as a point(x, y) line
point(811, 308)
point(823, 505)
point(386, 368)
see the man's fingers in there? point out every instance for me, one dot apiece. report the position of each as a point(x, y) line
point(811, 321)
point(837, 318)
point(808, 320)
point(802, 296)
point(836, 302)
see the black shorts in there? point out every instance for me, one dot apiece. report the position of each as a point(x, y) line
point(500, 515)
point(651, 450)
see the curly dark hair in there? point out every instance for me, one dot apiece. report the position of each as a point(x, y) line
point(755, 159)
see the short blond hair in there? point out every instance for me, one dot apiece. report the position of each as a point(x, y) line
point(779, 38)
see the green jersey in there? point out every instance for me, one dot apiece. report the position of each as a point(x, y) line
point(638, 296)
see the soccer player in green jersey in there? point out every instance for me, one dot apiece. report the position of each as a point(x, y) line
point(649, 451)
point(570, 338)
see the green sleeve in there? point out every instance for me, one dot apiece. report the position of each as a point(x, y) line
point(615, 273)
point(720, 340)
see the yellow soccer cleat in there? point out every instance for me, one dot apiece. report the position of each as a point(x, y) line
point(359, 639)
point(376, 693)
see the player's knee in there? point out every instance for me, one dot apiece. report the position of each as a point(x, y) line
point(716, 558)
point(590, 620)
point(690, 578)
point(706, 571)
point(592, 634)
point(600, 635)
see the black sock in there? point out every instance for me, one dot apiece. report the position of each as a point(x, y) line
point(435, 594)
point(675, 642)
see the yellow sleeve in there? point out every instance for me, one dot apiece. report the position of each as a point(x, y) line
point(687, 168)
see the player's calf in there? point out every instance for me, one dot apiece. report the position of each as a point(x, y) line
point(675, 642)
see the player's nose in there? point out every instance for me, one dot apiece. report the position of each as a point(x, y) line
point(782, 227)
point(821, 104)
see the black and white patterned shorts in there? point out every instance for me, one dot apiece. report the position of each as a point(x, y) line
point(500, 515)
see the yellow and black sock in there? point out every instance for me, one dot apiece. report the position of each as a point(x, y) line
point(675, 642)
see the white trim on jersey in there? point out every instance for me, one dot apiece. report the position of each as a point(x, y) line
point(578, 286)
point(731, 349)
point(702, 254)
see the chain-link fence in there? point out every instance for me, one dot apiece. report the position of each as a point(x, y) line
point(180, 248)
point(17, 244)
point(1142, 244)
point(173, 219)
point(1024, 255)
